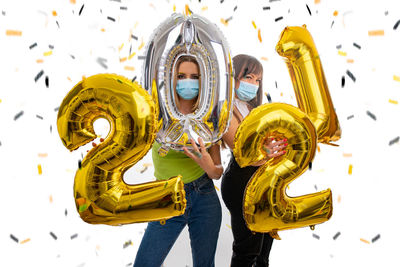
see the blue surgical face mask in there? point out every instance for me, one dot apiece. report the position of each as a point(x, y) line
point(187, 88)
point(246, 91)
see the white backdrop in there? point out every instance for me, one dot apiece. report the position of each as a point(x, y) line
point(66, 38)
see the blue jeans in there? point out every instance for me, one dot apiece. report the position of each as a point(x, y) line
point(203, 217)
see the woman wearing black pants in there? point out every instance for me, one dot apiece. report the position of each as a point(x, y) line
point(249, 249)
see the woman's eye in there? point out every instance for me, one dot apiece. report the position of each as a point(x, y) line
point(196, 77)
point(181, 76)
point(248, 77)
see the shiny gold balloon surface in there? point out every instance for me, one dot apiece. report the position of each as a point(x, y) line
point(100, 193)
point(302, 59)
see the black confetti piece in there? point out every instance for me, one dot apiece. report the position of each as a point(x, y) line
point(127, 244)
point(80, 11)
point(111, 18)
point(79, 164)
point(74, 236)
point(308, 8)
point(369, 113)
point(53, 235)
point(46, 81)
point(396, 25)
point(273, 1)
point(357, 45)
point(119, 1)
point(276, 84)
point(37, 77)
point(235, 9)
point(336, 235)
point(56, 109)
point(39, 117)
point(376, 238)
point(58, 25)
point(278, 19)
point(141, 57)
point(315, 187)
point(310, 166)
point(266, 8)
point(102, 61)
point(51, 46)
point(66, 212)
point(269, 98)
point(315, 236)
point(350, 117)
point(123, 8)
point(394, 141)
point(221, 1)
point(19, 114)
point(72, 56)
point(351, 75)
point(51, 128)
point(14, 238)
point(133, 79)
point(333, 22)
point(32, 45)
point(0, 143)
point(145, 169)
point(338, 46)
point(343, 81)
point(3, 13)
point(386, 13)
point(129, 264)
point(228, 19)
point(134, 37)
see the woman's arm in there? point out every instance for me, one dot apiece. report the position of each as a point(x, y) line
point(209, 161)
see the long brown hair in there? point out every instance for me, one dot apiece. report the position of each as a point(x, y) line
point(175, 81)
point(243, 65)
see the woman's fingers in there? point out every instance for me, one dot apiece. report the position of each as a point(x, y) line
point(202, 147)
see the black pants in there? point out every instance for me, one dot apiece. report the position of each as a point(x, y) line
point(249, 249)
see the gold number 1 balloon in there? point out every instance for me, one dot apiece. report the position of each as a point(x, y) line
point(266, 207)
point(100, 193)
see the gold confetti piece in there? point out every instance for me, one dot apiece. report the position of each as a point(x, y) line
point(254, 24)
point(54, 13)
point(0, 100)
point(69, 79)
point(317, 1)
point(281, 93)
point(141, 45)
point(259, 36)
point(187, 11)
point(102, 29)
point(98, 247)
point(131, 55)
point(365, 241)
point(39, 60)
point(264, 58)
point(228, 226)
point(341, 53)
point(151, 4)
point(39, 169)
point(122, 59)
point(223, 21)
point(347, 155)
point(42, 155)
point(120, 48)
point(216, 187)
point(174, 8)
point(350, 169)
point(339, 199)
point(48, 53)
point(318, 148)
point(131, 68)
point(147, 164)
point(335, 13)
point(350, 60)
point(51, 199)
point(136, 24)
point(72, 1)
point(204, 8)
point(13, 33)
point(396, 78)
point(376, 33)
point(393, 101)
point(25, 241)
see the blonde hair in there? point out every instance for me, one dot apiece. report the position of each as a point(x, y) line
point(177, 65)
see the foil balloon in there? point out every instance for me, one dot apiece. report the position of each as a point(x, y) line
point(100, 193)
point(266, 206)
point(302, 59)
point(197, 37)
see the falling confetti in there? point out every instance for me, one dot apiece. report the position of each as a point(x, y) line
point(25, 241)
point(308, 8)
point(396, 78)
point(46, 81)
point(396, 25)
point(254, 24)
point(13, 33)
point(259, 36)
point(391, 101)
point(278, 19)
point(19, 114)
point(343, 81)
point(80, 11)
point(371, 115)
point(48, 53)
point(376, 238)
point(341, 53)
point(14, 238)
point(123, 8)
point(315, 236)
point(376, 33)
point(40, 74)
point(32, 45)
point(350, 117)
point(394, 141)
point(266, 8)
point(111, 18)
point(336, 235)
point(74, 236)
point(127, 244)
point(356, 45)
point(365, 241)
point(102, 62)
point(347, 155)
point(39, 169)
point(350, 169)
point(338, 46)
point(351, 75)
point(53, 235)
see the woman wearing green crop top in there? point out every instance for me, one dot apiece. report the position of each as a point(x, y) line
point(203, 209)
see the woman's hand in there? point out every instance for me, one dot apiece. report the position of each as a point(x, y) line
point(211, 164)
point(274, 148)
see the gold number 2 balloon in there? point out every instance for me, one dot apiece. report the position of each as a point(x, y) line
point(266, 207)
point(100, 193)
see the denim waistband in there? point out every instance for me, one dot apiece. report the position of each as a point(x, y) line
point(197, 183)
